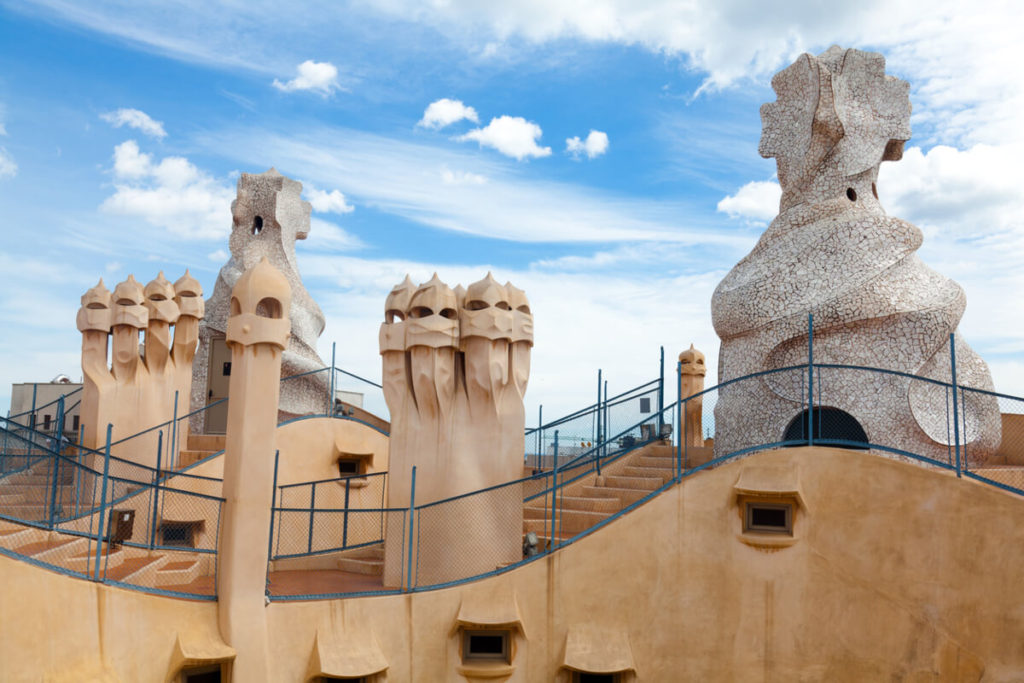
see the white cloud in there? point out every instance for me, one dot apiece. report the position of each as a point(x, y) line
point(326, 236)
point(134, 118)
point(757, 201)
point(445, 112)
point(595, 145)
point(321, 77)
point(8, 168)
point(172, 194)
point(219, 256)
point(513, 136)
point(328, 202)
point(450, 177)
point(403, 179)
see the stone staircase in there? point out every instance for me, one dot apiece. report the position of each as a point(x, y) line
point(368, 560)
point(26, 494)
point(200, 446)
point(163, 568)
point(593, 498)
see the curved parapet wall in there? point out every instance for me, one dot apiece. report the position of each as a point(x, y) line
point(834, 253)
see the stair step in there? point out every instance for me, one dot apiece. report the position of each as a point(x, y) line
point(627, 482)
point(38, 547)
point(662, 473)
point(129, 566)
point(206, 442)
point(361, 566)
point(625, 496)
point(647, 460)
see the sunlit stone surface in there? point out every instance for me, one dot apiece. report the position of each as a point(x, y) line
point(833, 252)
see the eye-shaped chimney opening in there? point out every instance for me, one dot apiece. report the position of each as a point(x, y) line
point(125, 302)
point(236, 308)
point(449, 313)
point(503, 305)
point(96, 306)
point(157, 297)
point(421, 312)
point(393, 314)
point(269, 307)
point(476, 305)
point(187, 294)
point(257, 225)
point(523, 309)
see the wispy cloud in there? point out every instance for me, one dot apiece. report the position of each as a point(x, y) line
point(402, 178)
point(134, 118)
point(8, 167)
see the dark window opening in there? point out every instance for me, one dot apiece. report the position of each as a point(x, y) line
point(202, 674)
point(178, 534)
point(769, 517)
point(257, 225)
point(645, 405)
point(486, 645)
point(46, 423)
point(348, 467)
point(851, 194)
point(584, 677)
point(227, 369)
point(831, 425)
point(75, 422)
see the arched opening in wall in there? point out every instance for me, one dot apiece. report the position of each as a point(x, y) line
point(830, 425)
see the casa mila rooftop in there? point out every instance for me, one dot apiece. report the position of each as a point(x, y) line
point(844, 502)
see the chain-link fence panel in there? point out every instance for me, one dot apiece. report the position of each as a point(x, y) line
point(468, 535)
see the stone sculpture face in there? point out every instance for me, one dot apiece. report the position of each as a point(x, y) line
point(433, 316)
point(691, 362)
point(129, 305)
point(522, 317)
point(259, 305)
point(188, 294)
point(160, 300)
point(837, 116)
point(95, 312)
point(486, 312)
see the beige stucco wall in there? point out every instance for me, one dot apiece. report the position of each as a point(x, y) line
point(896, 572)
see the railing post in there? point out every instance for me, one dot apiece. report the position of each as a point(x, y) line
point(661, 391)
point(554, 495)
point(330, 399)
point(273, 504)
point(956, 420)
point(78, 470)
point(172, 456)
point(156, 488)
point(344, 523)
point(312, 506)
point(412, 514)
point(598, 439)
point(810, 379)
point(681, 435)
point(604, 422)
point(7, 430)
point(32, 426)
point(56, 461)
point(540, 436)
point(103, 505)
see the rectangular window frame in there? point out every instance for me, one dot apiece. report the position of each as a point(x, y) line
point(750, 526)
point(468, 656)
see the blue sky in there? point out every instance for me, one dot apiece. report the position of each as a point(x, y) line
point(123, 129)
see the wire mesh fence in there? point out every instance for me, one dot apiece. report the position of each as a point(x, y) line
point(61, 513)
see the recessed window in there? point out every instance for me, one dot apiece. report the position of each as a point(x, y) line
point(226, 371)
point(486, 646)
point(202, 674)
point(584, 677)
point(645, 404)
point(74, 422)
point(179, 534)
point(348, 467)
point(769, 517)
point(257, 225)
point(46, 423)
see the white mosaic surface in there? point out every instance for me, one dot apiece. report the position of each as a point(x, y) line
point(833, 252)
point(284, 218)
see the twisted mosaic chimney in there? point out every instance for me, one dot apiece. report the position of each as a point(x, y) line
point(833, 252)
